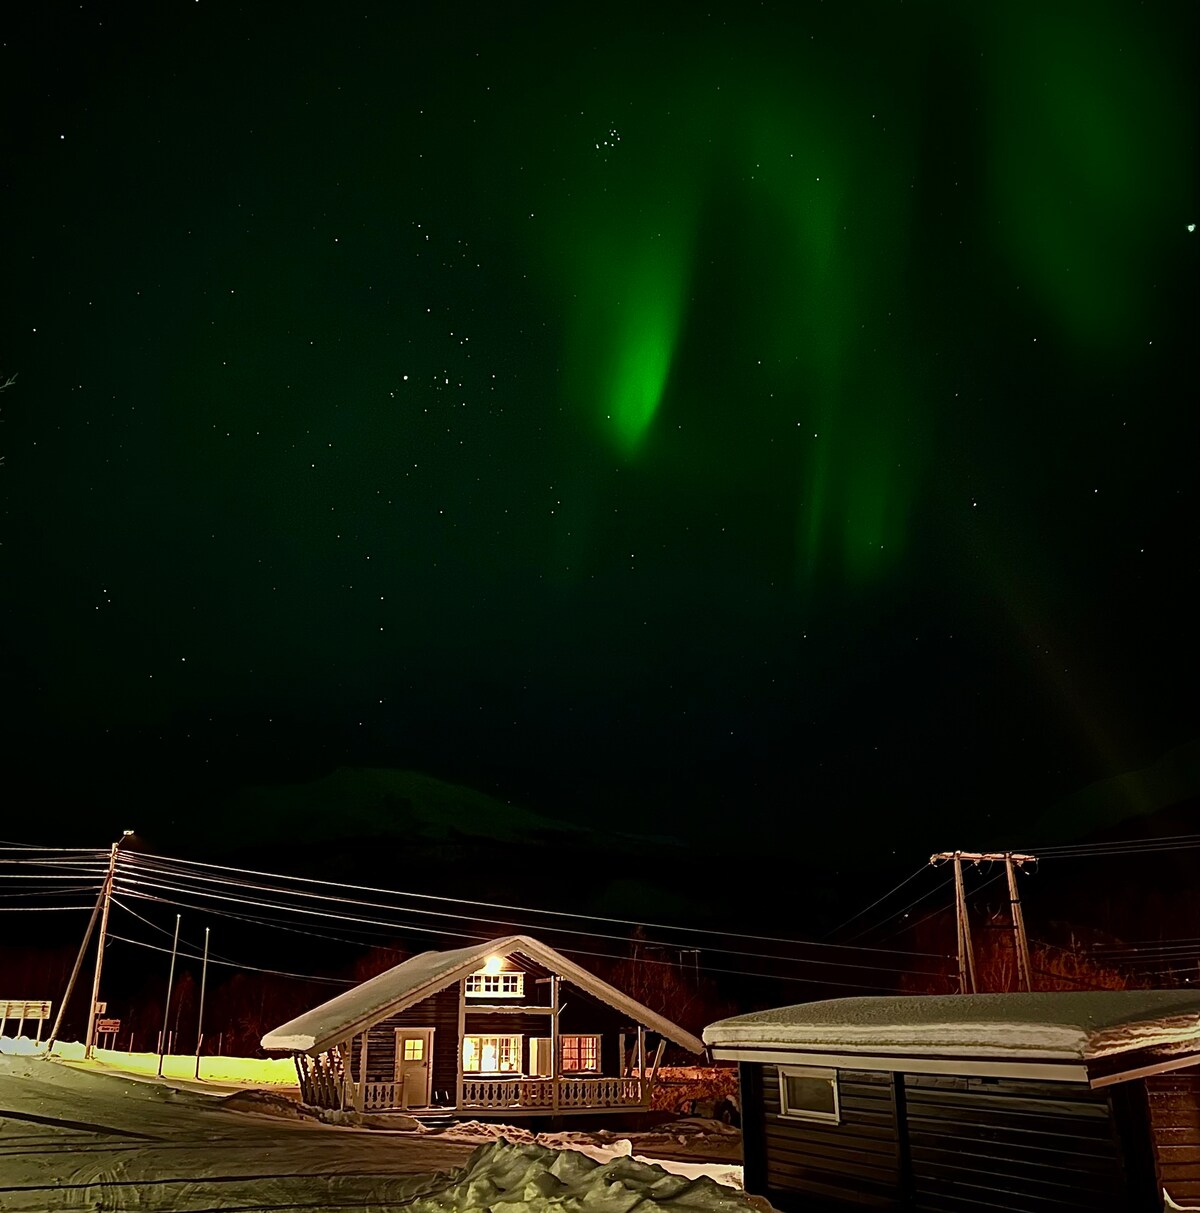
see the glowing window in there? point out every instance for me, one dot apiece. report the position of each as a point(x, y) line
point(580, 1054)
point(808, 1094)
point(491, 1054)
point(414, 1050)
point(496, 985)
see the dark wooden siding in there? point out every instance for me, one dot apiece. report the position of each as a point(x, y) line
point(1174, 1103)
point(981, 1144)
point(806, 1165)
point(440, 1012)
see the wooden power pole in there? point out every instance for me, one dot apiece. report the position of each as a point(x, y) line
point(966, 954)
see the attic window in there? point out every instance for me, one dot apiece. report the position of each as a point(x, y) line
point(495, 985)
point(808, 1094)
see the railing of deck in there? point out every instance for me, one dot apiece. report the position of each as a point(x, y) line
point(378, 1095)
point(539, 1092)
point(523, 1093)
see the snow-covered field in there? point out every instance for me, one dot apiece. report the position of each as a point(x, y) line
point(73, 1137)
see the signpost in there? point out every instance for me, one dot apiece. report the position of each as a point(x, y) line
point(21, 1010)
point(109, 1028)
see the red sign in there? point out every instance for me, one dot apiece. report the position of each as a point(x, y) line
point(104, 1026)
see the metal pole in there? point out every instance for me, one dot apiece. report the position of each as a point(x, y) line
point(108, 884)
point(162, 1040)
point(200, 1017)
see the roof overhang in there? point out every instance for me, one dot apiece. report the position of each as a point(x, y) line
point(983, 1067)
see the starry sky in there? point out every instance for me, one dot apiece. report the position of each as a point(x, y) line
point(761, 422)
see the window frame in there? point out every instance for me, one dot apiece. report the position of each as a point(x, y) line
point(809, 1114)
point(580, 1036)
point(517, 1050)
point(481, 978)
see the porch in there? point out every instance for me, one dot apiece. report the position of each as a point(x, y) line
point(525, 1094)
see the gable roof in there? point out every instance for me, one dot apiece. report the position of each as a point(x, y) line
point(1076, 1025)
point(348, 1013)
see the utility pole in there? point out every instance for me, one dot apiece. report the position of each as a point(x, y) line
point(200, 1017)
point(1020, 942)
point(106, 896)
point(966, 954)
point(162, 1040)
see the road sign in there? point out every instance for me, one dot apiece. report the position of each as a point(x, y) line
point(107, 1025)
point(101, 1007)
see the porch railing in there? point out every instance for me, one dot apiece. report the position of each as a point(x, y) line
point(378, 1095)
point(523, 1093)
point(539, 1092)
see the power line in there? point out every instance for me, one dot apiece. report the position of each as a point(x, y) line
point(826, 963)
point(878, 901)
point(490, 905)
point(230, 964)
point(945, 880)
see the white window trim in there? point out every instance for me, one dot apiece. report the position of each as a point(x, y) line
point(480, 976)
point(831, 1076)
point(580, 1036)
point(519, 1050)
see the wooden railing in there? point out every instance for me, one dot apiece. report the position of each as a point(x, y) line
point(378, 1095)
point(599, 1092)
point(539, 1093)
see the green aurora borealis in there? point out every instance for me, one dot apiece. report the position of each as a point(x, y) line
point(656, 406)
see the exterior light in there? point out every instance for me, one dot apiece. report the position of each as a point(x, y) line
point(492, 964)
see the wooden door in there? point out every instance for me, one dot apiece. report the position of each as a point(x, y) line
point(414, 1066)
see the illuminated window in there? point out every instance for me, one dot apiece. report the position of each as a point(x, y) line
point(496, 985)
point(808, 1094)
point(414, 1050)
point(491, 1054)
point(579, 1054)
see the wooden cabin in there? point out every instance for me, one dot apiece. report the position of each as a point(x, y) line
point(987, 1102)
point(504, 1029)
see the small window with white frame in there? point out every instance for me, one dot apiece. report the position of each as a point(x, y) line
point(807, 1093)
point(496, 985)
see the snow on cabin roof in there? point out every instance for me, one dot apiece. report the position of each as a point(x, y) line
point(1077, 1025)
point(348, 1013)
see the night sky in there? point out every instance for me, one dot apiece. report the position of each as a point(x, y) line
point(753, 422)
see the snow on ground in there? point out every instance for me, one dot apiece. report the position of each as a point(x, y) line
point(528, 1178)
point(231, 1071)
point(76, 1135)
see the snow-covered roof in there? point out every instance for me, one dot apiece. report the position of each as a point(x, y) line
point(1078, 1025)
point(346, 1014)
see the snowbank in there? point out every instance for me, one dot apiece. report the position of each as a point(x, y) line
point(528, 1178)
point(21, 1046)
point(230, 1071)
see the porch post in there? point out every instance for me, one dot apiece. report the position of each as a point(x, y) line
point(554, 1040)
point(641, 1056)
point(462, 1032)
point(658, 1055)
point(360, 1095)
point(624, 1069)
